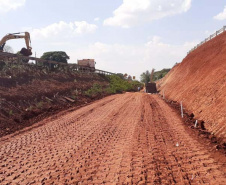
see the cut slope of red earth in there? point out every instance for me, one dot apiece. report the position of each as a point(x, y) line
point(200, 83)
point(28, 94)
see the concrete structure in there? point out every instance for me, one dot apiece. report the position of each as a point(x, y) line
point(87, 63)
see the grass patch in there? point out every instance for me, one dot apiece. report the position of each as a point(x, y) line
point(40, 104)
point(10, 112)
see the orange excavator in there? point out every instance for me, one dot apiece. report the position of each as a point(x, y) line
point(24, 51)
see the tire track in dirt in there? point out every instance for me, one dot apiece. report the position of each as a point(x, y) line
point(58, 139)
point(122, 139)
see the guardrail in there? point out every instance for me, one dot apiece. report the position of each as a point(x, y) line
point(75, 67)
point(209, 38)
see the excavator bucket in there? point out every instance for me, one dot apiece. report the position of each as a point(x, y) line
point(26, 52)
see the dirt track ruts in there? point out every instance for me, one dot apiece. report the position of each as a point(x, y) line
point(133, 138)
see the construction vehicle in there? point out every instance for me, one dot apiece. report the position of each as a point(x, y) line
point(24, 51)
point(151, 86)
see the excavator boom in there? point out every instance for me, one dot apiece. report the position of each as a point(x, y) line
point(151, 76)
point(26, 36)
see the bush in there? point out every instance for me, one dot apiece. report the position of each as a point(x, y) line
point(119, 85)
point(94, 91)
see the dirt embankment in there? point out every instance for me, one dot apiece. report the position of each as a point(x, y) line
point(28, 94)
point(200, 82)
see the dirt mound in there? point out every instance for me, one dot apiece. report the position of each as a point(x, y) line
point(200, 82)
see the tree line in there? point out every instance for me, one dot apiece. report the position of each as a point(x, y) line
point(145, 76)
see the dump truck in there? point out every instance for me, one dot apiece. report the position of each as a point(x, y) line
point(151, 86)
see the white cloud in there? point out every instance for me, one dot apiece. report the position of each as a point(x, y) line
point(222, 15)
point(63, 30)
point(7, 5)
point(83, 27)
point(133, 59)
point(134, 12)
point(97, 19)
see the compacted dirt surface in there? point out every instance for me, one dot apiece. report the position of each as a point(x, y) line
point(132, 138)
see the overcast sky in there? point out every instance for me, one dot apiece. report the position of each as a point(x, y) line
point(123, 36)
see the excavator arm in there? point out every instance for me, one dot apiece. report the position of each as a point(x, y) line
point(151, 76)
point(11, 36)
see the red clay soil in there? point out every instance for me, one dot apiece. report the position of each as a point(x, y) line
point(29, 94)
point(200, 82)
point(132, 138)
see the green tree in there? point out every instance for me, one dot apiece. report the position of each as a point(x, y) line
point(58, 56)
point(160, 74)
point(145, 77)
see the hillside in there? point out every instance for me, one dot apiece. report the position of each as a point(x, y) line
point(29, 93)
point(200, 82)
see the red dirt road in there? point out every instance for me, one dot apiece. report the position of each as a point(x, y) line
point(133, 138)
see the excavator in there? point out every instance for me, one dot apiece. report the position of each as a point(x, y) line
point(24, 51)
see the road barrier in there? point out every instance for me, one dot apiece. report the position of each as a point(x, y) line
point(222, 30)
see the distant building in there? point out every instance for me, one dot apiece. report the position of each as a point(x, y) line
point(87, 63)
